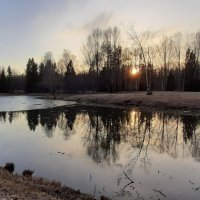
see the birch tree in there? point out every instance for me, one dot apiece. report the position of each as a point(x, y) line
point(146, 53)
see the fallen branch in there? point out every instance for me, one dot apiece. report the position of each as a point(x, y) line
point(160, 192)
point(131, 181)
point(128, 177)
point(126, 185)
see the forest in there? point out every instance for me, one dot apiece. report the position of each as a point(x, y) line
point(146, 61)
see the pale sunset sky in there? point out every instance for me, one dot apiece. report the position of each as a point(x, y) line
point(29, 28)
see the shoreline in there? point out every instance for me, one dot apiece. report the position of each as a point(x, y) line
point(178, 102)
point(14, 186)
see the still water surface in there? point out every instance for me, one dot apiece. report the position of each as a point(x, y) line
point(124, 154)
point(20, 103)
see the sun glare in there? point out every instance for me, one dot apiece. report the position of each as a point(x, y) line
point(134, 71)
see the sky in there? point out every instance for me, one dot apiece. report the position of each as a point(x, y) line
point(29, 28)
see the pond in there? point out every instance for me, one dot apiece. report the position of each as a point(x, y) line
point(120, 153)
point(20, 103)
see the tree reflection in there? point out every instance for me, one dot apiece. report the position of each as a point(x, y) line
point(104, 133)
point(10, 116)
point(70, 115)
point(32, 117)
point(3, 116)
point(48, 120)
point(140, 140)
point(190, 124)
point(104, 129)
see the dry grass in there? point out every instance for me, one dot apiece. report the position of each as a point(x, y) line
point(160, 100)
point(18, 187)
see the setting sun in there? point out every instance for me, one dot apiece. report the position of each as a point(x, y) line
point(134, 71)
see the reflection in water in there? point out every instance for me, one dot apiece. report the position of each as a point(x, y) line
point(32, 119)
point(108, 127)
point(10, 116)
point(106, 130)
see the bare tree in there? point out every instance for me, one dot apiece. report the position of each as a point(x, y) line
point(166, 53)
point(197, 44)
point(93, 55)
point(62, 66)
point(127, 62)
point(112, 56)
point(177, 40)
point(49, 78)
point(146, 53)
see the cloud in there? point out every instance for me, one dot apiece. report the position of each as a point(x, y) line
point(102, 20)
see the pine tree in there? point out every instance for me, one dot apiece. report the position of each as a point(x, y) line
point(32, 76)
point(70, 76)
point(192, 70)
point(3, 82)
point(9, 79)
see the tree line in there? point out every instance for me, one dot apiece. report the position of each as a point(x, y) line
point(149, 61)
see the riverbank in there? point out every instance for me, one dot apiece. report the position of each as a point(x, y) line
point(188, 102)
point(16, 187)
point(183, 101)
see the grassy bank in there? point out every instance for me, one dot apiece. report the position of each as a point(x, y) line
point(20, 187)
point(184, 101)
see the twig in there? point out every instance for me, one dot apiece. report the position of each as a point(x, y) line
point(159, 192)
point(127, 185)
point(131, 181)
point(128, 177)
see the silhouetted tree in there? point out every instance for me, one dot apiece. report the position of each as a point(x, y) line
point(192, 72)
point(146, 54)
point(171, 81)
point(166, 52)
point(3, 81)
point(70, 77)
point(112, 52)
point(32, 76)
point(92, 52)
point(160, 63)
point(48, 73)
point(9, 79)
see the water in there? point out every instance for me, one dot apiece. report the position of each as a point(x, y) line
point(20, 103)
point(124, 154)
